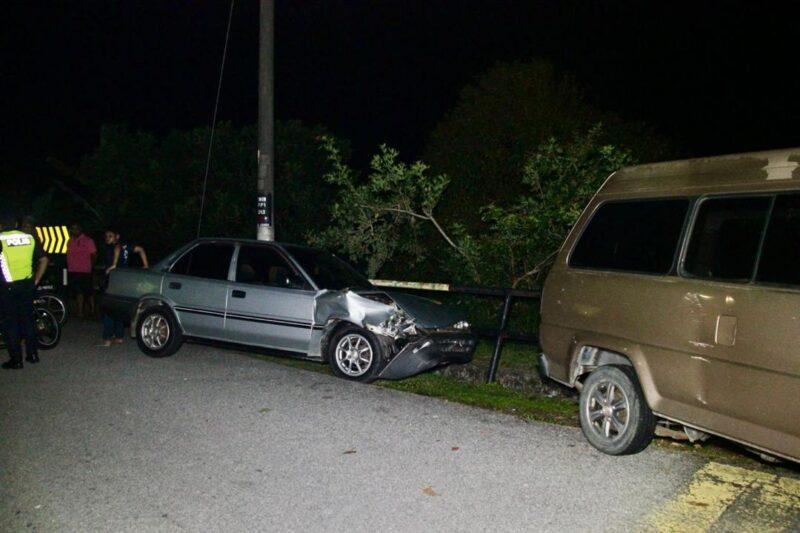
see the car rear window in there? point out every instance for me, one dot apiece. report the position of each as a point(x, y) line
point(779, 256)
point(634, 236)
point(208, 260)
point(725, 238)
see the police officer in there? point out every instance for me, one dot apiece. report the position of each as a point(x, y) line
point(18, 251)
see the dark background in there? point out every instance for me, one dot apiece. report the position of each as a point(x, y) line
point(714, 77)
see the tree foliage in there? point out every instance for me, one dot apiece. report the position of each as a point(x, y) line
point(151, 187)
point(499, 118)
point(503, 116)
point(384, 217)
point(380, 217)
point(560, 177)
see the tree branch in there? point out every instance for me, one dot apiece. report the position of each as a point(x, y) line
point(535, 270)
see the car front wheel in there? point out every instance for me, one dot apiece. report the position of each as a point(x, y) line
point(615, 417)
point(355, 354)
point(158, 333)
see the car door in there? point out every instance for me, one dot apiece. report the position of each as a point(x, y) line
point(270, 303)
point(197, 285)
point(744, 269)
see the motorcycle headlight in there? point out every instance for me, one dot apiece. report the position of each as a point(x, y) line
point(462, 324)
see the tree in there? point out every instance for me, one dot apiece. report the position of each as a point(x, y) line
point(499, 118)
point(561, 177)
point(383, 217)
point(151, 187)
point(503, 116)
point(379, 218)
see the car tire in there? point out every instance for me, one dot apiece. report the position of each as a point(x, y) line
point(158, 333)
point(348, 351)
point(614, 414)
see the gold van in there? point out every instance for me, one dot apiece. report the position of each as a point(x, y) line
point(675, 301)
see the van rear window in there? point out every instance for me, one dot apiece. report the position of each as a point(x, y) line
point(779, 262)
point(635, 236)
point(725, 238)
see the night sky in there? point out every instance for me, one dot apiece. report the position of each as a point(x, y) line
point(715, 77)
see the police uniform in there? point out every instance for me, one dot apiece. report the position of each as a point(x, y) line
point(18, 251)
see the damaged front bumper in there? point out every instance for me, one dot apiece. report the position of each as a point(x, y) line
point(429, 350)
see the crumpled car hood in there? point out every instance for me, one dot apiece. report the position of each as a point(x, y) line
point(372, 306)
point(425, 312)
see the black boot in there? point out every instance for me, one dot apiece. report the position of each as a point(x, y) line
point(32, 358)
point(12, 365)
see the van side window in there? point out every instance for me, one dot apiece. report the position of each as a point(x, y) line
point(725, 238)
point(636, 236)
point(779, 262)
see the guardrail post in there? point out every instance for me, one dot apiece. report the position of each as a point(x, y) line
point(501, 335)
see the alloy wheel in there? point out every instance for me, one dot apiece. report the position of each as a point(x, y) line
point(155, 331)
point(354, 355)
point(607, 410)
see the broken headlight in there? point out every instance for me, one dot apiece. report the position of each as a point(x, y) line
point(397, 325)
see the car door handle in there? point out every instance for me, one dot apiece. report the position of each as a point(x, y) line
point(238, 294)
point(174, 285)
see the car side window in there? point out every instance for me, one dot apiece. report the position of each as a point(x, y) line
point(779, 255)
point(207, 260)
point(634, 236)
point(725, 238)
point(263, 265)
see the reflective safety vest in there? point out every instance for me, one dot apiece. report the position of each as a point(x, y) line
point(16, 259)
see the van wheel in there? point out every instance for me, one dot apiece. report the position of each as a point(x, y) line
point(615, 417)
point(157, 333)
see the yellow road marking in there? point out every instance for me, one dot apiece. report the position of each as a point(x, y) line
point(731, 497)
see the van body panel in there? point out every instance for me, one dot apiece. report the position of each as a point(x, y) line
point(719, 356)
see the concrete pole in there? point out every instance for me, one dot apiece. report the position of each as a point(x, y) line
point(265, 230)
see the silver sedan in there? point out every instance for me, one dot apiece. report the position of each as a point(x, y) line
point(287, 297)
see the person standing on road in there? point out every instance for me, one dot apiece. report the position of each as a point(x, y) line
point(18, 251)
point(118, 254)
point(81, 256)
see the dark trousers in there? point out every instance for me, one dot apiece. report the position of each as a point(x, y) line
point(112, 328)
point(16, 313)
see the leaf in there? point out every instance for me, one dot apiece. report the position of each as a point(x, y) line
point(428, 491)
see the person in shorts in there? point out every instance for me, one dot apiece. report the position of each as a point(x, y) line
point(81, 256)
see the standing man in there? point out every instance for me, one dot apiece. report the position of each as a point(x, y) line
point(18, 251)
point(81, 256)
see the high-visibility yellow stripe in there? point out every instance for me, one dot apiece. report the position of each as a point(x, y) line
point(724, 497)
point(65, 233)
point(52, 239)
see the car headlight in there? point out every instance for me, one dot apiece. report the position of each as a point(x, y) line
point(461, 324)
point(397, 325)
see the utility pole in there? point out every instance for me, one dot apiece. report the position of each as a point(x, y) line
point(266, 163)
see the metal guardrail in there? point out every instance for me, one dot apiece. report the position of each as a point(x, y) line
point(501, 334)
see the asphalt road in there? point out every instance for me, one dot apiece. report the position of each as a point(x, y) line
point(210, 439)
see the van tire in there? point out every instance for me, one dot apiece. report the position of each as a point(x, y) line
point(614, 414)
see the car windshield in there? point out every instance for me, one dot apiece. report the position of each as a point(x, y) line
point(327, 270)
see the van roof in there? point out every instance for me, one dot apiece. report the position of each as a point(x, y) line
point(769, 170)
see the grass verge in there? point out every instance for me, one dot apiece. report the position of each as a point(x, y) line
point(488, 396)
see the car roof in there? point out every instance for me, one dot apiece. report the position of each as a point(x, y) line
point(255, 241)
point(770, 170)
